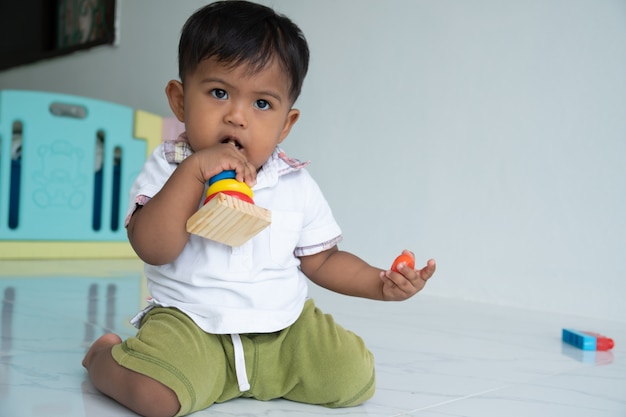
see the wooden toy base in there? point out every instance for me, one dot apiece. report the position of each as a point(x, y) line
point(229, 220)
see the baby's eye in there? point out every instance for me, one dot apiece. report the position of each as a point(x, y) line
point(219, 94)
point(262, 105)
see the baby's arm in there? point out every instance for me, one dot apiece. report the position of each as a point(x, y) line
point(348, 274)
point(157, 230)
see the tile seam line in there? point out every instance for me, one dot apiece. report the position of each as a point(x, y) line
point(465, 397)
point(477, 394)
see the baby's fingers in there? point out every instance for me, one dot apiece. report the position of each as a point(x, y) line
point(397, 286)
point(428, 271)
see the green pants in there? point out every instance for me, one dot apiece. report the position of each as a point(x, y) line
point(313, 361)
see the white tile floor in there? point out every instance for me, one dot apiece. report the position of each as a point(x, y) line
point(435, 357)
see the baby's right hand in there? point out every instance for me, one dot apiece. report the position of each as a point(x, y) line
point(221, 157)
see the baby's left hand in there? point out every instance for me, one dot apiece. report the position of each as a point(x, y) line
point(407, 282)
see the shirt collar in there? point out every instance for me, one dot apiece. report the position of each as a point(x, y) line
point(278, 164)
point(177, 150)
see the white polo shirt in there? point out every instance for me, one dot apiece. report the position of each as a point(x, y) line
point(255, 288)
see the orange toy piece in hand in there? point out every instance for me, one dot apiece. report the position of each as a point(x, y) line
point(407, 258)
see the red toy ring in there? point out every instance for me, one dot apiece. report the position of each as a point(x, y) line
point(235, 194)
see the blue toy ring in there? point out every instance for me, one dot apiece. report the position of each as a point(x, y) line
point(228, 174)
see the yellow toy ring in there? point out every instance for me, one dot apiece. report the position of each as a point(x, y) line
point(230, 185)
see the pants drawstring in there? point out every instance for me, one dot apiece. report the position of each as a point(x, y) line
point(240, 364)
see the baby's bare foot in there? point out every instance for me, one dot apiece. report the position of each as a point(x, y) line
point(106, 341)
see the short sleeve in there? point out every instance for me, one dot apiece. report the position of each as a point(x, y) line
point(320, 229)
point(154, 173)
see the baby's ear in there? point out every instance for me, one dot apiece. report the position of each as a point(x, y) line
point(175, 96)
point(292, 118)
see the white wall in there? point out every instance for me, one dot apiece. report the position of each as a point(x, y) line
point(488, 134)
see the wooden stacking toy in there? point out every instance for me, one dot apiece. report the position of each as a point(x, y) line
point(229, 215)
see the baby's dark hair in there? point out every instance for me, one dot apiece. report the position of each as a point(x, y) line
point(239, 32)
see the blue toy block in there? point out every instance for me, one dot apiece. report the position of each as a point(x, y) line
point(587, 340)
point(578, 339)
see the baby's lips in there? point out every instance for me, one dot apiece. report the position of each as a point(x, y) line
point(232, 141)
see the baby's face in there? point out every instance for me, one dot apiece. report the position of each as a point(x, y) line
point(251, 111)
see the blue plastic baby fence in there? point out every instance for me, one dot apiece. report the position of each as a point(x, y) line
point(66, 166)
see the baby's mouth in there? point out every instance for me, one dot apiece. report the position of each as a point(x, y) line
point(233, 142)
